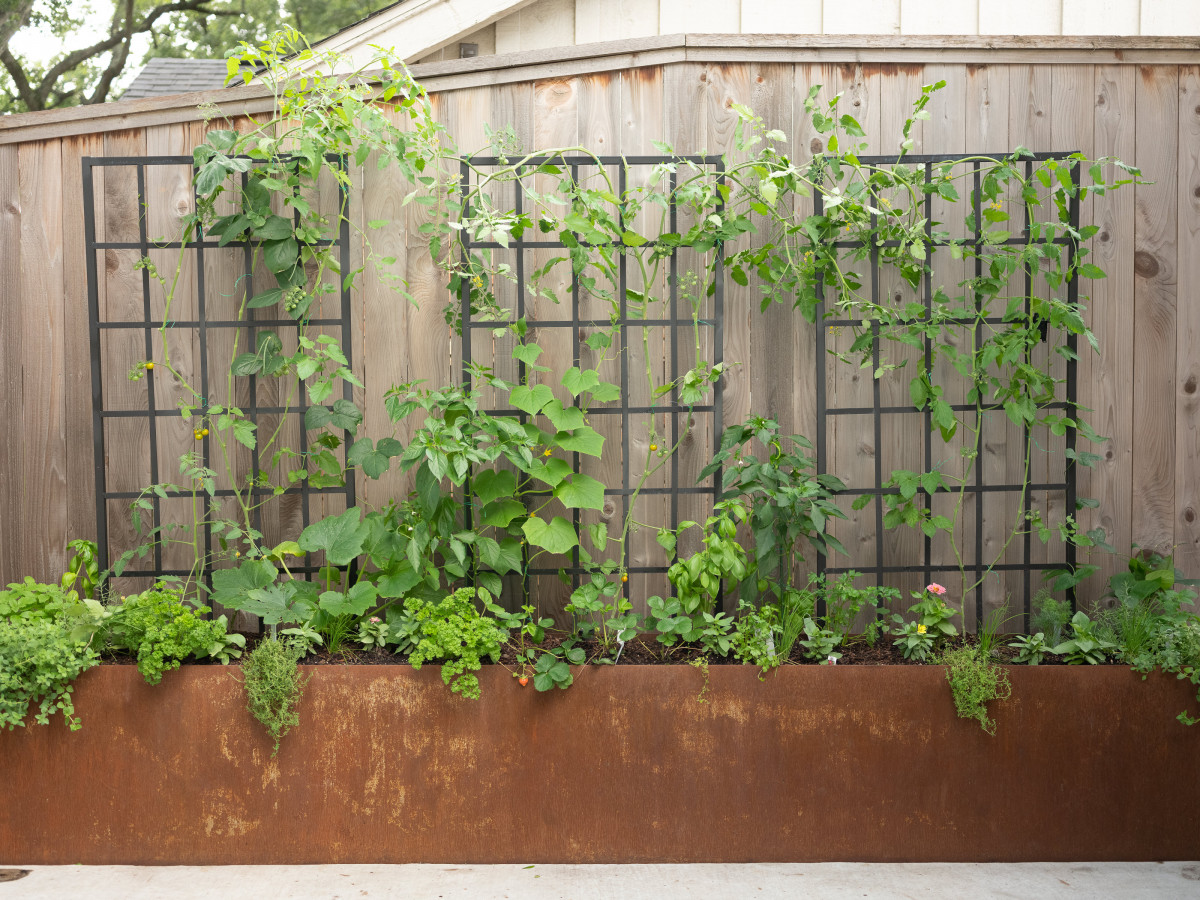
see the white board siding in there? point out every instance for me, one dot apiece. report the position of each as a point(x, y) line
point(939, 17)
point(1178, 17)
point(543, 24)
point(861, 17)
point(700, 16)
point(547, 23)
point(1102, 16)
point(782, 16)
point(1020, 16)
point(614, 20)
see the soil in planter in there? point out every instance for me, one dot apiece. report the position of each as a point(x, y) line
point(640, 651)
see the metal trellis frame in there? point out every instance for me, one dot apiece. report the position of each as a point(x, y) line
point(979, 488)
point(201, 327)
point(673, 323)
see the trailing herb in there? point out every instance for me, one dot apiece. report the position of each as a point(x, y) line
point(274, 686)
point(975, 681)
point(39, 659)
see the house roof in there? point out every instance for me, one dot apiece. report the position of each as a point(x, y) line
point(163, 75)
point(417, 27)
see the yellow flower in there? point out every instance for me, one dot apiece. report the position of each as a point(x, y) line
point(920, 629)
point(547, 452)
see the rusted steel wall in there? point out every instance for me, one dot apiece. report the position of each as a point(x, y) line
point(811, 764)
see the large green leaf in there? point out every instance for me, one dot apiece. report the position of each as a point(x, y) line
point(429, 489)
point(492, 484)
point(504, 556)
point(556, 536)
point(343, 414)
point(211, 174)
point(500, 512)
point(279, 604)
point(340, 537)
point(246, 364)
point(276, 228)
point(355, 602)
point(531, 399)
point(373, 458)
point(577, 381)
point(230, 586)
point(281, 256)
point(528, 354)
point(552, 471)
point(581, 492)
point(266, 298)
point(581, 440)
point(398, 581)
point(564, 418)
point(383, 543)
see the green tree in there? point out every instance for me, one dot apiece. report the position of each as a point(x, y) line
point(87, 71)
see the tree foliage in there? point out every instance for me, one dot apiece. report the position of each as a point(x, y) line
point(89, 70)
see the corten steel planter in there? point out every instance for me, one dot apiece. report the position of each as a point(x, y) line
point(814, 763)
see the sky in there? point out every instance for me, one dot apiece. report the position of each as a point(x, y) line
point(37, 43)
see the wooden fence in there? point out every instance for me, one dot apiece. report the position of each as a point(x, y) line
point(1138, 99)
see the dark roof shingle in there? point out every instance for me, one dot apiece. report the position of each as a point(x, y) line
point(164, 75)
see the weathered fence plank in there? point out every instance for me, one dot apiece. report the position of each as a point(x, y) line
point(1187, 378)
point(1155, 308)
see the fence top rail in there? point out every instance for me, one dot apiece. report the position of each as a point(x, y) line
point(608, 56)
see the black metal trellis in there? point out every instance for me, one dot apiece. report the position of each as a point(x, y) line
point(979, 488)
point(200, 327)
point(674, 409)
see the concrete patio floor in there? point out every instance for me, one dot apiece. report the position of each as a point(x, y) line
point(828, 881)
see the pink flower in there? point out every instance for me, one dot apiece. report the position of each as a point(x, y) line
point(375, 620)
point(935, 588)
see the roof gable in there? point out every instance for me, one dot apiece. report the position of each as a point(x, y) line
point(414, 28)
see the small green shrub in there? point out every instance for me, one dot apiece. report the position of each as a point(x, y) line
point(974, 683)
point(225, 647)
point(753, 640)
point(932, 627)
point(1084, 646)
point(844, 602)
point(820, 643)
point(162, 631)
point(914, 640)
point(1181, 646)
point(274, 686)
point(29, 601)
point(453, 631)
point(1031, 648)
point(38, 661)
